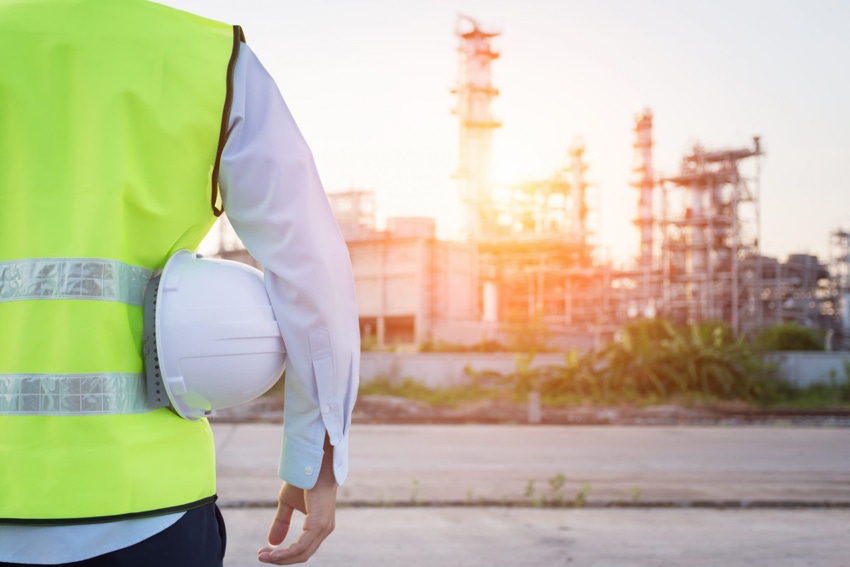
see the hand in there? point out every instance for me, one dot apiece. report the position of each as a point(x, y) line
point(319, 505)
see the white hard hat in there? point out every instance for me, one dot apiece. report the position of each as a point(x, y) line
point(211, 338)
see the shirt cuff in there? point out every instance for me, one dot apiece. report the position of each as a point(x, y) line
point(299, 463)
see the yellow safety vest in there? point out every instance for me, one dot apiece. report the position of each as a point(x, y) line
point(112, 119)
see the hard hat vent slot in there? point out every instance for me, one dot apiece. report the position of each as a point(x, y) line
point(152, 370)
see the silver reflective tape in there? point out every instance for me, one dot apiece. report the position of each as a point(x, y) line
point(73, 394)
point(73, 278)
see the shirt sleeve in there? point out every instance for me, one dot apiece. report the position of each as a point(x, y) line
point(274, 199)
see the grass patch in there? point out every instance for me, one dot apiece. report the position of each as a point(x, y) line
point(836, 394)
point(832, 395)
point(412, 389)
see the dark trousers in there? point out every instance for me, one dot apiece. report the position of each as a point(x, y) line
point(197, 539)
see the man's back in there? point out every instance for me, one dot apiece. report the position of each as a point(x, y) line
point(110, 126)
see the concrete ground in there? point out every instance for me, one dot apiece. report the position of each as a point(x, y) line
point(440, 495)
point(503, 537)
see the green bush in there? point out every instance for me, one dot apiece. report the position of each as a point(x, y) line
point(788, 336)
point(655, 360)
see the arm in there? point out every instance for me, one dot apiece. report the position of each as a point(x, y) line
point(275, 201)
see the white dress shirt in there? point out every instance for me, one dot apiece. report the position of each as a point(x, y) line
point(275, 201)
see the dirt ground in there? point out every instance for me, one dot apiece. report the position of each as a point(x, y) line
point(389, 409)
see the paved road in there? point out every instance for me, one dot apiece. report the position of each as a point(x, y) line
point(394, 468)
point(393, 464)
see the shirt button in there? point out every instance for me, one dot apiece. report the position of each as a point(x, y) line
point(308, 471)
point(326, 409)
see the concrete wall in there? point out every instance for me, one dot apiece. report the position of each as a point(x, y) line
point(447, 369)
point(441, 369)
point(805, 368)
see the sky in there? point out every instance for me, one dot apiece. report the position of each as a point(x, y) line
point(369, 82)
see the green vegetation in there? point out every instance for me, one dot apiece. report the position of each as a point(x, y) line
point(554, 496)
point(834, 394)
point(655, 361)
point(414, 493)
point(789, 336)
point(409, 388)
point(526, 335)
point(442, 346)
point(651, 362)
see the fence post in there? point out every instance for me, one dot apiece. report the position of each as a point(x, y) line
point(535, 415)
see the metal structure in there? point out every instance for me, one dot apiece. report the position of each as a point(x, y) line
point(710, 266)
point(712, 228)
point(475, 94)
point(538, 263)
point(648, 288)
point(530, 260)
point(840, 272)
point(355, 212)
point(645, 183)
point(556, 207)
point(581, 227)
point(799, 290)
point(535, 243)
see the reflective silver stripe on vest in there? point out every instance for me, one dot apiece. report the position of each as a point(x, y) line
point(73, 278)
point(73, 394)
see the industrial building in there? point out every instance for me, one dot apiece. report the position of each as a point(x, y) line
point(529, 261)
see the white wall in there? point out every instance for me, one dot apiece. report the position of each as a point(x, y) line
point(804, 368)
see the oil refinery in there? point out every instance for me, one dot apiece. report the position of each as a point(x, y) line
point(529, 257)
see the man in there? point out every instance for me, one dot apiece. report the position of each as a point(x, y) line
point(119, 122)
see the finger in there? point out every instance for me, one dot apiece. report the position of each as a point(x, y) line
point(299, 551)
point(293, 496)
point(280, 524)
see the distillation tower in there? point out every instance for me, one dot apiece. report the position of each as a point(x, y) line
point(475, 94)
point(644, 182)
point(578, 191)
point(840, 271)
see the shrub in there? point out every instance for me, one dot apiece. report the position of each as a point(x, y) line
point(788, 336)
